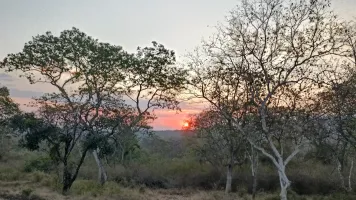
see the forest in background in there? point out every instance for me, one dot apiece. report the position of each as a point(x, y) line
point(278, 78)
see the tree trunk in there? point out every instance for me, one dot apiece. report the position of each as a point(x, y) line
point(67, 179)
point(254, 168)
point(102, 176)
point(228, 178)
point(284, 182)
point(283, 193)
point(341, 176)
point(350, 175)
point(68, 176)
point(254, 186)
point(122, 156)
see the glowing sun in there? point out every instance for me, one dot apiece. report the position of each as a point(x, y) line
point(185, 124)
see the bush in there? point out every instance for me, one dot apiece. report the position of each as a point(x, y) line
point(43, 164)
point(93, 188)
point(306, 185)
point(86, 187)
point(41, 177)
point(341, 196)
point(9, 174)
point(27, 192)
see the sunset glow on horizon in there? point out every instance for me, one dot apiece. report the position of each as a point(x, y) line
point(166, 119)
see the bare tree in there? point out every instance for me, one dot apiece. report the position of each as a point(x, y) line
point(218, 143)
point(270, 55)
point(335, 124)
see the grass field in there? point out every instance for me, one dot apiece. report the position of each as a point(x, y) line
point(39, 186)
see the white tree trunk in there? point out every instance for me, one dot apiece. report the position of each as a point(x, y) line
point(102, 176)
point(283, 193)
point(350, 175)
point(277, 159)
point(341, 176)
point(284, 182)
point(280, 165)
point(228, 178)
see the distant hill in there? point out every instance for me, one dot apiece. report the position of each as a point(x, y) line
point(169, 134)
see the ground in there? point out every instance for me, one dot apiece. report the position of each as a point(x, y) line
point(26, 190)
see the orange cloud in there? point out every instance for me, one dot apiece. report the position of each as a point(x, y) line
point(171, 120)
point(166, 119)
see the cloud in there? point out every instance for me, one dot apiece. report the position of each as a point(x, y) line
point(23, 103)
point(17, 93)
point(6, 77)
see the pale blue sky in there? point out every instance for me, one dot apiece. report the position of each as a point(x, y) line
point(178, 24)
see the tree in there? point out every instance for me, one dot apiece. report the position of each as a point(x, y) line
point(151, 82)
point(253, 156)
point(268, 58)
point(81, 70)
point(218, 143)
point(91, 80)
point(331, 147)
point(335, 108)
point(59, 128)
point(7, 109)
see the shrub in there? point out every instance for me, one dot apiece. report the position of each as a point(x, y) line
point(43, 164)
point(26, 192)
point(86, 187)
point(275, 197)
point(41, 177)
point(341, 196)
point(9, 174)
point(93, 188)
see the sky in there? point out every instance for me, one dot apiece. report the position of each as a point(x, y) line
point(178, 24)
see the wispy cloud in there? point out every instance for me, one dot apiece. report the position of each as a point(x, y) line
point(18, 93)
point(5, 77)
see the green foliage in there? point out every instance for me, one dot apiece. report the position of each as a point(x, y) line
point(7, 106)
point(43, 163)
point(7, 109)
point(88, 108)
point(35, 130)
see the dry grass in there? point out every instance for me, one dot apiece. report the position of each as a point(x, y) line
point(89, 190)
point(15, 184)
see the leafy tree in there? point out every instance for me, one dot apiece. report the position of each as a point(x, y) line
point(7, 109)
point(7, 106)
point(92, 80)
point(152, 82)
point(80, 70)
